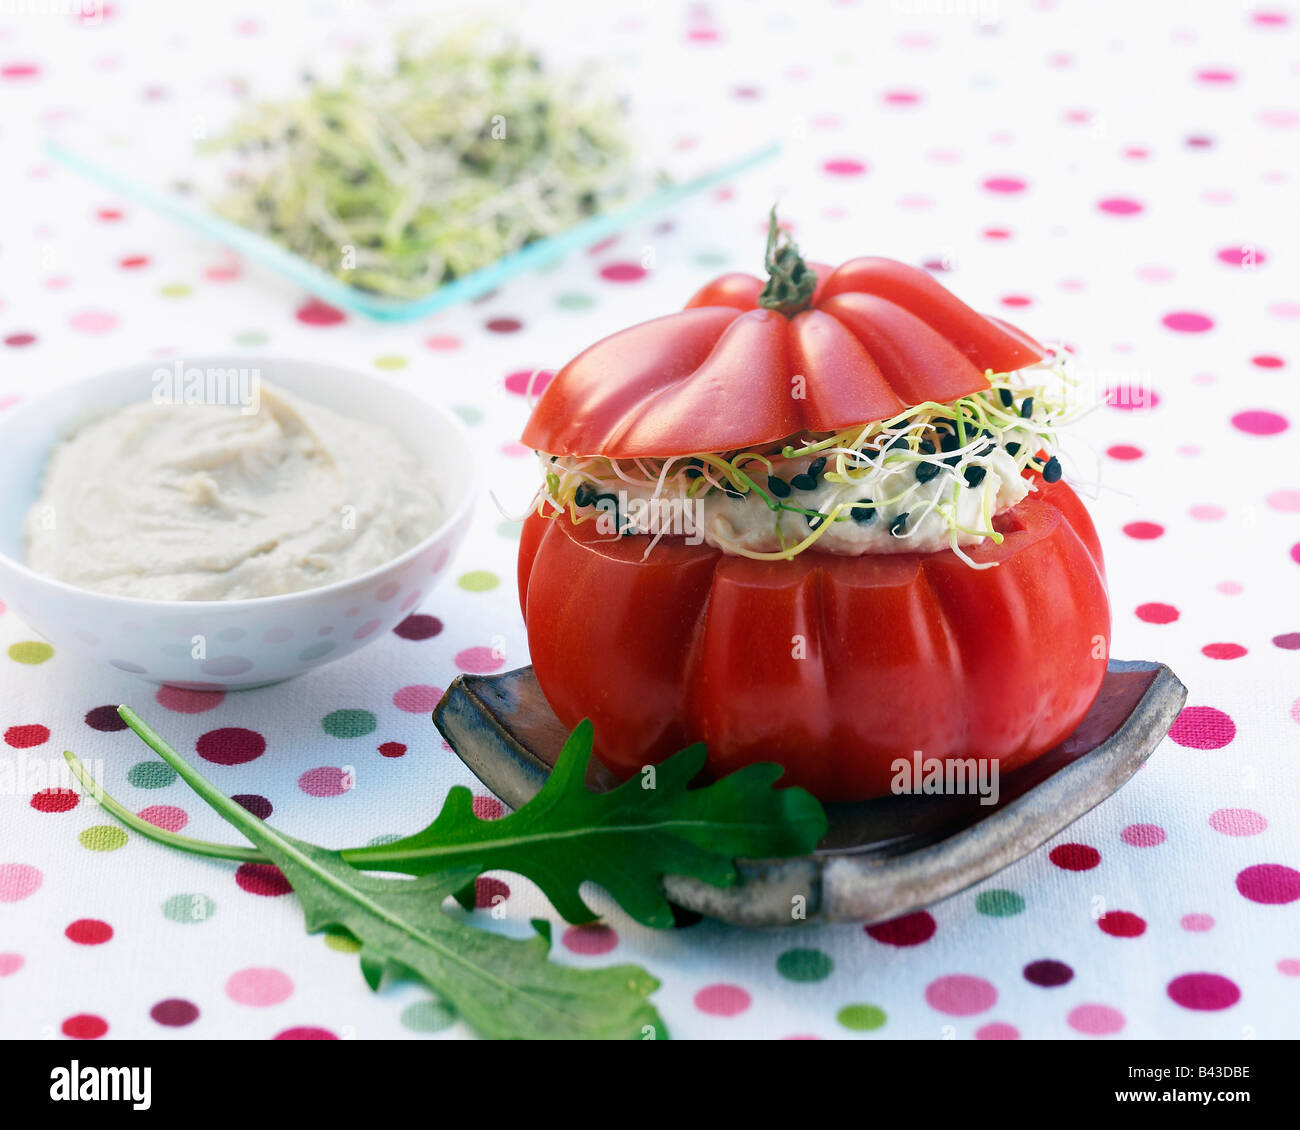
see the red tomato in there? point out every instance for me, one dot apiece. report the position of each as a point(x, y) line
point(833, 666)
point(725, 374)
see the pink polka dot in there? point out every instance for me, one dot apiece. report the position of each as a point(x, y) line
point(1279, 117)
point(1270, 883)
point(1197, 923)
point(1131, 397)
point(1216, 76)
point(1203, 992)
point(18, 881)
point(418, 698)
point(997, 1031)
point(1119, 206)
point(622, 272)
point(10, 963)
point(1223, 651)
point(1288, 966)
point(722, 1000)
point(1238, 821)
point(589, 940)
point(1287, 310)
point(528, 382)
point(1155, 273)
point(93, 321)
point(1143, 835)
point(442, 343)
point(901, 98)
point(369, 628)
point(1144, 531)
point(1206, 513)
point(1228, 588)
point(259, 986)
point(960, 995)
point(185, 701)
point(1005, 185)
point(1260, 423)
point(1124, 452)
point(1095, 1019)
point(326, 781)
point(314, 312)
point(480, 660)
point(487, 808)
point(1270, 19)
point(1188, 322)
point(165, 816)
point(1267, 361)
point(19, 70)
point(1202, 727)
point(1242, 256)
point(844, 167)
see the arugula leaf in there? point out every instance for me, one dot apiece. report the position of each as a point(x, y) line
point(504, 987)
point(626, 840)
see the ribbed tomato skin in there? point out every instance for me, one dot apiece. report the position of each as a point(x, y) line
point(832, 666)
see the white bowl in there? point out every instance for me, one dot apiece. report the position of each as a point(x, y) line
point(229, 644)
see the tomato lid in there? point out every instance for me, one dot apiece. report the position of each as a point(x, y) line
point(748, 362)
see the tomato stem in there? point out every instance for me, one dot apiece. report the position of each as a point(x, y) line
point(790, 282)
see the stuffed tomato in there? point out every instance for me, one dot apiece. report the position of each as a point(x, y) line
point(817, 521)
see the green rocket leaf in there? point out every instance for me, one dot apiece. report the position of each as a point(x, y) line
point(503, 987)
point(625, 840)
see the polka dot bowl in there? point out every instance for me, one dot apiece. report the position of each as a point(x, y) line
point(236, 643)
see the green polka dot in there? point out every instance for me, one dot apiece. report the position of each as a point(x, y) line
point(102, 837)
point(252, 337)
point(341, 941)
point(383, 838)
point(711, 258)
point(861, 1017)
point(999, 903)
point(391, 361)
point(471, 416)
point(428, 1016)
point(30, 651)
point(151, 774)
point(175, 290)
point(804, 965)
point(574, 301)
point(188, 910)
point(349, 723)
point(509, 529)
point(478, 580)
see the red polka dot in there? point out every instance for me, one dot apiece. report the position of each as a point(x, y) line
point(1202, 727)
point(56, 800)
point(1005, 185)
point(489, 892)
point(305, 1033)
point(1017, 301)
point(88, 932)
point(1075, 857)
point(262, 879)
point(17, 341)
point(314, 312)
point(1258, 422)
point(1204, 992)
point(722, 1000)
point(418, 627)
point(1157, 613)
point(503, 325)
point(488, 808)
point(622, 272)
point(960, 995)
point(1143, 835)
point(844, 167)
point(996, 233)
point(1188, 322)
point(231, 745)
point(1144, 531)
point(24, 737)
point(1269, 883)
point(174, 1013)
point(133, 262)
point(186, 701)
point(84, 1026)
point(392, 749)
point(109, 215)
point(909, 930)
point(1267, 361)
point(529, 382)
point(1223, 651)
point(590, 940)
point(1119, 206)
point(1122, 924)
point(1124, 452)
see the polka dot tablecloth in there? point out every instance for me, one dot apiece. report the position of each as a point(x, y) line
point(1117, 177)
